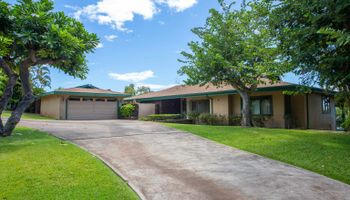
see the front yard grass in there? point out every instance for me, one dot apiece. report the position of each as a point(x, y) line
point(327, 153)
point(35, 165)
point(7, 114)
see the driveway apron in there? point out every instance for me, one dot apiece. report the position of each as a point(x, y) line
point(164, 163)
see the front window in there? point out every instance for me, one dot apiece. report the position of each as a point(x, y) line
point(201, 106)
point(261, 105)
point(326, 104)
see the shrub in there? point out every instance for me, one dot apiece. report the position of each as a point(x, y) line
point(127, 110)
point(235, 120)
point(161, 117)
point(258, 121)
point(346, 123)
point(193, 115)
point(211, 119)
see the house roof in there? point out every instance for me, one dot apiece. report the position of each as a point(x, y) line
point(87, 90)
point(183, 91)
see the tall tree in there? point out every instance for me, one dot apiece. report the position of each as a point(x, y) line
point(34, 35)
point(130, 89)
point(40, 76)
point(143, 90)
point(314, 37)
point(235, 47)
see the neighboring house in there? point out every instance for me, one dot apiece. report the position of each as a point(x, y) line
point(81, 103)
point(315, 110)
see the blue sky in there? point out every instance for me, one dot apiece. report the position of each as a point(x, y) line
point(140, 40)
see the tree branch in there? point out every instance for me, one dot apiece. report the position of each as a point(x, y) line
point(48, 61)
point(27, 99)
point(8, 92)
point(32, 56)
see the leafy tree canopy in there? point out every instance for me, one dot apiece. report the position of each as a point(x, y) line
point(31, 34)
point(130, 89)
point(143, 90)
point(314, 37)
point(235, 47)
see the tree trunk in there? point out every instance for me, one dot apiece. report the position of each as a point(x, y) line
point(246, 113)
point(27, 99)
point(8, 92)
point(342, 108)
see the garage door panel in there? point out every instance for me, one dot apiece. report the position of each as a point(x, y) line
point(80, 110)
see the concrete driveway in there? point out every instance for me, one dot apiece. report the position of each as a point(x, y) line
point(163, 163)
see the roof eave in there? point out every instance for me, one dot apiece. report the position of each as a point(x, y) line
point(292, 87)
point(84, 94)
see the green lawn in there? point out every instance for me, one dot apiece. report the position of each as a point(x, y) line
point(35, 165)
point(7, 114)
point(326, 153)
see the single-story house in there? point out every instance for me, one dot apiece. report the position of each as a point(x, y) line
point(315, 110)
point(85, 102)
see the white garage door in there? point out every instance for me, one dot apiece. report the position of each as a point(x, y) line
point(80, 110)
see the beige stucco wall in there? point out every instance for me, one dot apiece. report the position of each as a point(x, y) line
point(231, 105)
point(298, 109)
point(236, 105)
point(277, 119)
point(146, 109)
point(317, 119)
point(220, 105)
point(51, 106)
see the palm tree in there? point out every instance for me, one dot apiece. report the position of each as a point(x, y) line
point(40, 76)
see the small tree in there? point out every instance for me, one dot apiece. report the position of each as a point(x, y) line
point(130, 89)
point(31, 34)
point(143, 90)
point(235, 47)
point(127, 110)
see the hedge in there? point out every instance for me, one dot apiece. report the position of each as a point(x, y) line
point(161, 117)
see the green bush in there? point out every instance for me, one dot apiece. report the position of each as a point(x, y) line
point(211, 119)
point(127, 110)
point(259, 121)
point(193, 115)
point(346, 123)
point(235, 120)
point(161, 117)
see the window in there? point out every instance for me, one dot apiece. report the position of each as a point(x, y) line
point(201, 106)
point(74, 99)
point(100, 100)
point(87, 99)
point(111, 100)
point(261, 105)
point(326, 104)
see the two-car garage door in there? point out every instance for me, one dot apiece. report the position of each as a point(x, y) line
point(90, 110)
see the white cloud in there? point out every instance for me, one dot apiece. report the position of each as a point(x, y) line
point(111, 38)
point(132, 76)
point(180, 5)
point(72, 7)
point(100, 45)
point(116, 12)
point(155, 86)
